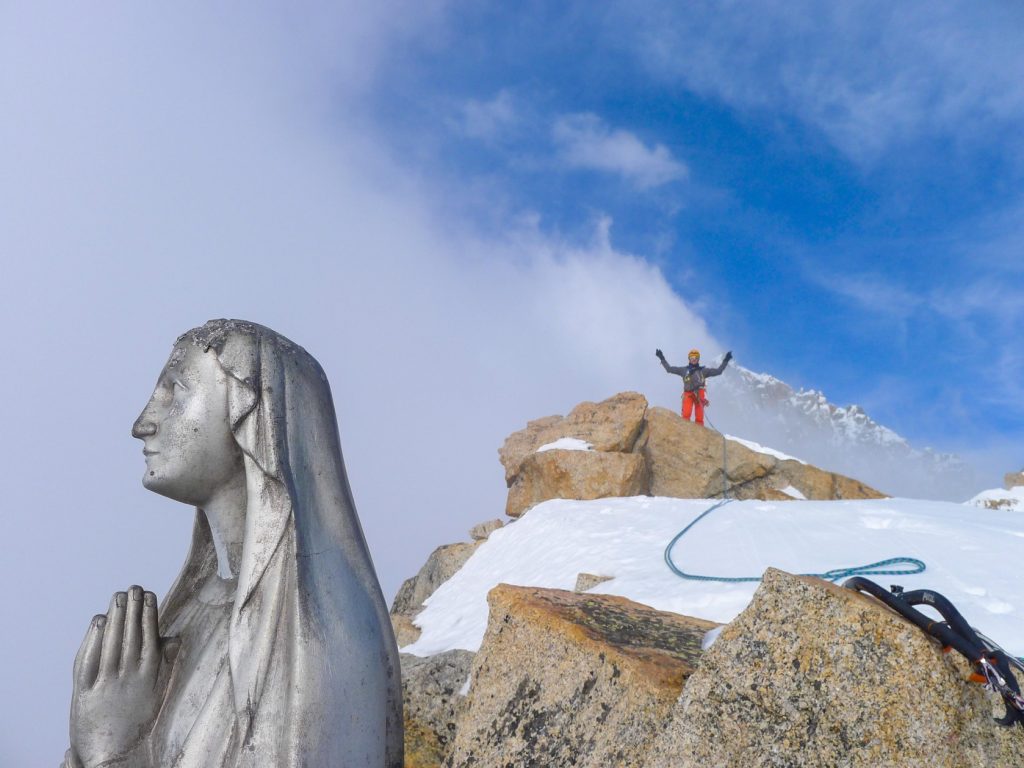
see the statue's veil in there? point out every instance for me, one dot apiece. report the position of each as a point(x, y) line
point(314, 667)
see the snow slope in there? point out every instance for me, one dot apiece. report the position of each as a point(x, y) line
point(971, 555)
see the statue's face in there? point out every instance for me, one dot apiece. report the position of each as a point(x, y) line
point(186, 434)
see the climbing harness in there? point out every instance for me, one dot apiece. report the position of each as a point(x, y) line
point(991, 665)
point(911, 564)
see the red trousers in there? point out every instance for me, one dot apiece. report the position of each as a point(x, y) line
point(694, 401)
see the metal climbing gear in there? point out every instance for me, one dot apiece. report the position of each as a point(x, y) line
point(991, 664)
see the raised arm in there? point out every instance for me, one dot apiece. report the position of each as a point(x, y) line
point(666, 366)
point(718, 371)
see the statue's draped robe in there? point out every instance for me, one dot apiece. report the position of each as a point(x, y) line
point(300, 668)
point(190, 731)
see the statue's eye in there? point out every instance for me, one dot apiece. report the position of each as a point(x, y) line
point(178, 387)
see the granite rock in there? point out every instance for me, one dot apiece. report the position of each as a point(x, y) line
point(440, 566)
point(560, 474)
point(811, 674)
point(686, 460)
point(564, 679)
point(481, 531)
point(612, 425)
point(431, 699)
point(586, 581)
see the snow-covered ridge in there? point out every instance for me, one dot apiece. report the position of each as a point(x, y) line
point(625, 538)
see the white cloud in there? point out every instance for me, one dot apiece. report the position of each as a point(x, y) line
point(585, 141)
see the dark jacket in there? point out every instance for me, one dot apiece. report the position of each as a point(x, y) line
point(694, 375)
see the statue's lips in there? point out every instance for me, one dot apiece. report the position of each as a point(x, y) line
point(149, 453)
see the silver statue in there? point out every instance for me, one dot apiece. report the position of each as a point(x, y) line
point(273, 647)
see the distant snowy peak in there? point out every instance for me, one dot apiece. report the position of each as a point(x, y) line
point(842, 438)
point(847, 423)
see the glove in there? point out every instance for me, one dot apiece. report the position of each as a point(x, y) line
point(705, 402)
point(660, 354)
point(728, 356)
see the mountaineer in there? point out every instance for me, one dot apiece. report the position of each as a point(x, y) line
point(694, 397)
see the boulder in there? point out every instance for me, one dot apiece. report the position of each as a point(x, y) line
point(586, 581)
point(481, 531)
point(561, 474)
point(431, 699)
point(521, 444)
point(811, 674)
point(406, 633)
point(566, 679)
point(774, 494)
point(1013, 480)
point(685, 460)
point(440, 566)
point(816, 483)
point(612, 425)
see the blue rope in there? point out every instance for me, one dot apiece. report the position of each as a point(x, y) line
point(914, 565)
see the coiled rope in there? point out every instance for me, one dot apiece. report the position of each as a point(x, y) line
point(911, 564)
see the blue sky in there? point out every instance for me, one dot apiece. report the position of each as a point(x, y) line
point(473, 215)
point(838, 189)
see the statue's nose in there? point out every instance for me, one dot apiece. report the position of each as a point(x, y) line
point(143, 427)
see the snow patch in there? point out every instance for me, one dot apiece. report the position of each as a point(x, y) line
point(710, 636)
point(566, 444)
point(791, 490)
point(758, 448)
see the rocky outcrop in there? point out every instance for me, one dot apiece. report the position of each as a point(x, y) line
point(811, 674)
point(440, 566)
point(566, 679)
point(611, 426)
point(431, 699)
point(639, 450)
point(1009, 497)
point(685, 460)
point(406, 632)
point(481, 531)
